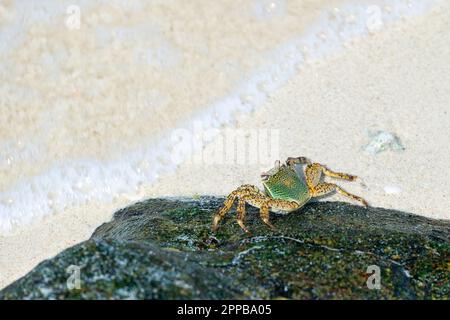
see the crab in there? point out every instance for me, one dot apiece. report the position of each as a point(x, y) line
point(285, 190)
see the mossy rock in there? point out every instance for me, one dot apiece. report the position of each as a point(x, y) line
point(164, 249)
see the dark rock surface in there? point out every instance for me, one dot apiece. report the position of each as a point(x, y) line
point(164, 249)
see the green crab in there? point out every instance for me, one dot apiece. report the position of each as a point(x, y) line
point(285, 191)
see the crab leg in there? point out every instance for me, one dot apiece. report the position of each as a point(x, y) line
point(316, 188)
point(241, 192)
point(264, 213)
point(241, 215)
point(338, 175)
point(265, 203)
point(326, 188)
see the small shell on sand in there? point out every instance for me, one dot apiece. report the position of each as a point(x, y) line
point(392, 189)
point(381, 141)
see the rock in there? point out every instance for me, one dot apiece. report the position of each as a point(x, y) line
point(164, 249)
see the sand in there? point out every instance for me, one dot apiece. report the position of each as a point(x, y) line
point(146, 64)
point(396, 80)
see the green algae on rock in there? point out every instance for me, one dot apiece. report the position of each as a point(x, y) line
point(164, 249)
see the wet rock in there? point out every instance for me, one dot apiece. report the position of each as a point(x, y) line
point(164, 249)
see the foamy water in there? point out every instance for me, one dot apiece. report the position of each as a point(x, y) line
point(90, 114)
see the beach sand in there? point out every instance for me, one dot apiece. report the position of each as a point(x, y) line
point(396, 80)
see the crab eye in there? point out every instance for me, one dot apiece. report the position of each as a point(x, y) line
point(277, 164)
point(265, 176)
